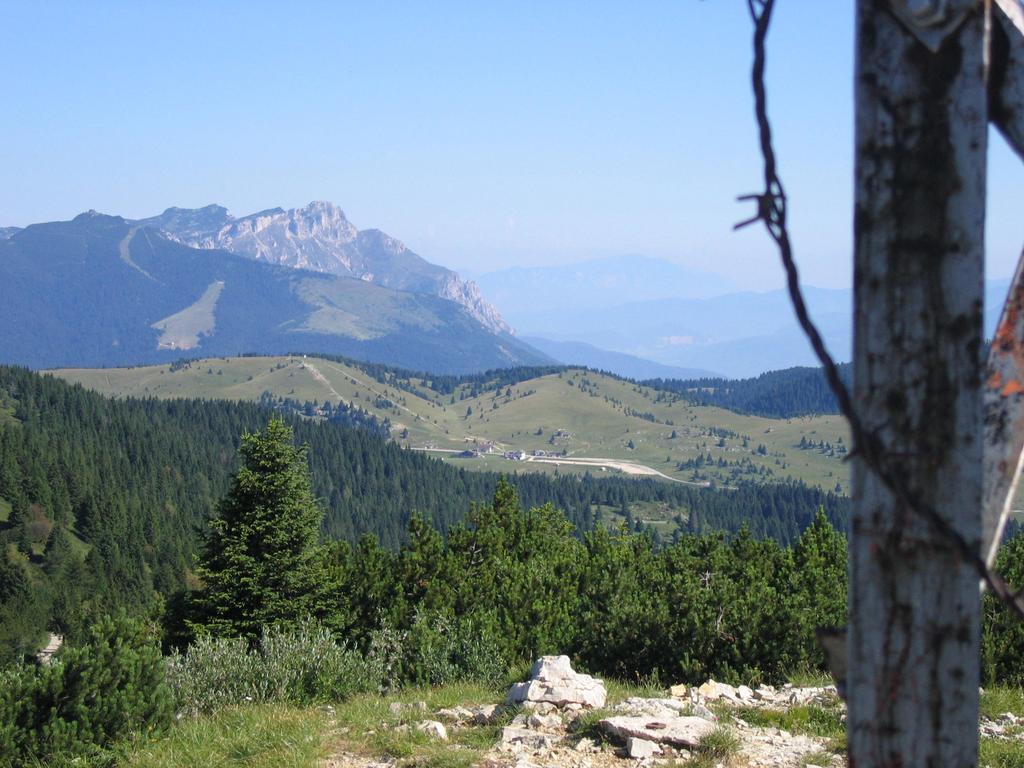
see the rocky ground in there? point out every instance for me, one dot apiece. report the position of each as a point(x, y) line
point(563, 719)
point(560, 718)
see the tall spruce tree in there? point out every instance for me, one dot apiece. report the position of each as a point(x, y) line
point(261, 564)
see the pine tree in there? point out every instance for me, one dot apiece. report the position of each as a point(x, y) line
point(57, 551)
point(261, 565)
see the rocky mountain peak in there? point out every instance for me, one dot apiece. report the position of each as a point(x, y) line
point(326, 210)
point(319, 237)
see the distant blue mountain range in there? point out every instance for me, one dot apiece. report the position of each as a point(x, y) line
point(737, 334)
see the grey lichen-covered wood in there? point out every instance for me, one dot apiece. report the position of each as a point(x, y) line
point(1006, 84)
point(919, 221)
point(931, 21)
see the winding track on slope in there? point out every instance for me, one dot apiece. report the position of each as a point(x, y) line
point(123, 248)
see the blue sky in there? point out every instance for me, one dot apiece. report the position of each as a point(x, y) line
point(483, 134)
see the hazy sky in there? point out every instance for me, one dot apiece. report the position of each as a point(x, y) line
point(483, 134)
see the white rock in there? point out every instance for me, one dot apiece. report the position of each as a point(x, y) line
point(553, 682)
point(764, 693)
point(679, 691)
point(513, 738)
point(684, 731)
point(549, 722)
point(701, 711)
point(655, 708)
point(433, 729)
point(640, 748)
point(586, 745)
point(486, 714)
point(712, 691)
point(455, 714)
point(552, 668)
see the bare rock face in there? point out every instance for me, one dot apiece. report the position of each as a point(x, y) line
point(320, 238)
point(553, 682)
point(682, 731)
point(641, 748)
point(514, 738)
point(654, 708)
point(433, 729)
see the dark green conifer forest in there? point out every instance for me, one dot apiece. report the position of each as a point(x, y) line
point(105, 499)
point(775, 394)
point(136, 524)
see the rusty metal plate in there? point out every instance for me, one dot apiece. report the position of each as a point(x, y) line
point(1004, 417)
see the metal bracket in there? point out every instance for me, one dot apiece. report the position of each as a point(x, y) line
point(932, 21)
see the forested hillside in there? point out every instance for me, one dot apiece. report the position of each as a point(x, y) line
point(776, 394)
point(566, 420)
point(101, 500)
point(102, 290)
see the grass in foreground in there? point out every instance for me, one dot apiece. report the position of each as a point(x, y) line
point(996, 701)
point(996, 753)
point(820, 758)
point(809, 677)
point(1000, 753)
point(585, 726)
point(717, 748)
point(255, 736)
point(619, 690)
point(822, 722)
point(366, 725)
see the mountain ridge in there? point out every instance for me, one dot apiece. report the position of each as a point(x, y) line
point(104, 290)
point(619, 363)
point(320, 238)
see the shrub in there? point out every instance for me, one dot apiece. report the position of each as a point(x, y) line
point(213, 673)
point(300, 666)
point(309, 666)
point(439, 651)
point(111, 686)
point(385, 656)
point(1002, 643)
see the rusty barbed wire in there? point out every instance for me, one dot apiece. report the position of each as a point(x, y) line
point(771, 211)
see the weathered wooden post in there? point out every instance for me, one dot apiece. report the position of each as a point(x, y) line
point(914, 610)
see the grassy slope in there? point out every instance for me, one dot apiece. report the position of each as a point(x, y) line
point(267, 736)
point(365, 726)
point(183, 329)
point(273, 736)
point(593, 409)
